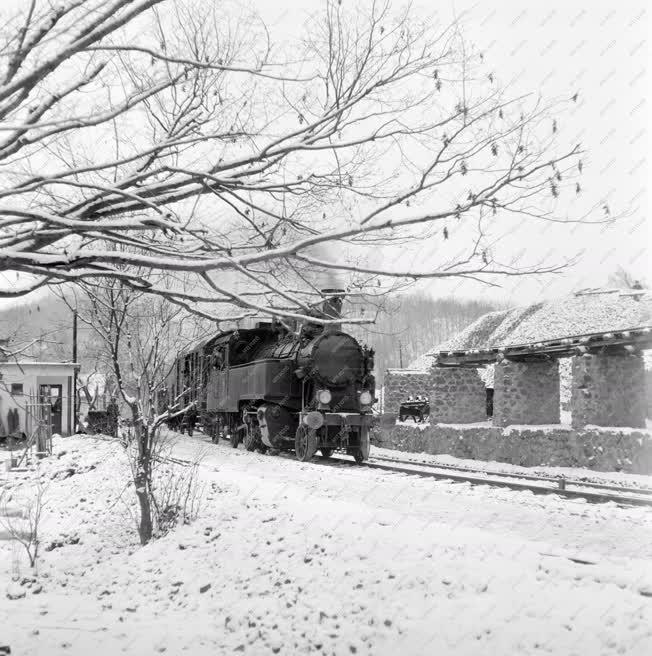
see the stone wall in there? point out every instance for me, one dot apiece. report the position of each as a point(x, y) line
point(598, 449)
point(400, 384)
point(608, 390)
point(458, 395)
point(526, 393)
point(565, 382)
point(598, 390)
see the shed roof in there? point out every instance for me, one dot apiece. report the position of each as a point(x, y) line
point(32, 363)
point(409, 370)
point(587, 312)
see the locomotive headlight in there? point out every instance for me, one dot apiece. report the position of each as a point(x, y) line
point(324, 396)
point(365, 398)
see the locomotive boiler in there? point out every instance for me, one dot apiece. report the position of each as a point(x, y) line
point(271, 388)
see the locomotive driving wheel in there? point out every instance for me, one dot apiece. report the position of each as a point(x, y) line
point(305, 443)
point(249, 437)
point(252, 436)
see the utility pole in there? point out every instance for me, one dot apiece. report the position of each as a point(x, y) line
point(74, 371)
point(400, 354)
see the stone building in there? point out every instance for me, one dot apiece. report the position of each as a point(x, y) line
point(598, 336)
point(608, 390)
point(571, 381)
point(526, 393)
point(400, 384)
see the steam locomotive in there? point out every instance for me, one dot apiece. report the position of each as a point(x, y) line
point(274, 388)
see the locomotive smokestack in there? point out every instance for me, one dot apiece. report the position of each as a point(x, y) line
point(332, 306)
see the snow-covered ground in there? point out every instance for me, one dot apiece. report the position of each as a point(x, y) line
point(296, 558)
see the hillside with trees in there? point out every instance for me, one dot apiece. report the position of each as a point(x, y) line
point(406, 326)
point(411, 324)
point(39, 329)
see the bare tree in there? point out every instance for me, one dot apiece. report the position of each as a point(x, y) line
point(22, 518)
point(148, 136)
point(414, 324)
point(139, 337)
point(623, 279)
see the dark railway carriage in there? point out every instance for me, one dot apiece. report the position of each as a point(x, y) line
point(272, 389)
point(184, 384)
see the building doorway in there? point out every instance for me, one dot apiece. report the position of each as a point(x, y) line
point(490, 401)
point(53, 396)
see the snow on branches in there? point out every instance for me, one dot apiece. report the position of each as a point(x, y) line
point(150, 137)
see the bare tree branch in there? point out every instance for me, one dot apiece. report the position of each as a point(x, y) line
point(189, 143)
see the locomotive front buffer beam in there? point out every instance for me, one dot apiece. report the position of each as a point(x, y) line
point(338, 430)
point(316, 419)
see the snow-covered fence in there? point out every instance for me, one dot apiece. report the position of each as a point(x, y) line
point(32, 429)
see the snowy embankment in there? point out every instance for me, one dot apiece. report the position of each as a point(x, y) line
point(295, 558)
point(569, 473)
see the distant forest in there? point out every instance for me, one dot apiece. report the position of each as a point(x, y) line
point(406, 327)
point(411, 325)
point(43, 325)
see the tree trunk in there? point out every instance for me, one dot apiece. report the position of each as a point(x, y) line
point(145, 523)
point(142, 480)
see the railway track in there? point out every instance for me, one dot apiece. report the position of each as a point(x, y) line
point(569, 488)
point(561, 486)
point(561, 481)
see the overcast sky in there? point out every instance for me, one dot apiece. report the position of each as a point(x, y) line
point(558, 47)
point(598, 49)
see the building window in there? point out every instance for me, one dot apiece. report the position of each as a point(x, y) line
point(16, 389)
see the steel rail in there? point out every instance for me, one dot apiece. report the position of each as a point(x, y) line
point(450, 475)
point(593, 497)
point(560, 480)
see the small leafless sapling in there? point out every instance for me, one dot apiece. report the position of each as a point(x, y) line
point(20, 517)
point(178, 491)
point(140, 335)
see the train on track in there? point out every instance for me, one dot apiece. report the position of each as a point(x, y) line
point(271, 387)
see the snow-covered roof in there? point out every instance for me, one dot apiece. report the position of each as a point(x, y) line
point(409, 370)
point(422, 363)
point(578, 314)
point(32, 363)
